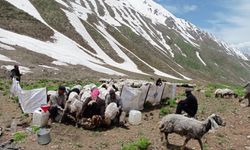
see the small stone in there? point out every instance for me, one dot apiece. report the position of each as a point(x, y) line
point(55, 146)
point(248, 136)
point(247, 147)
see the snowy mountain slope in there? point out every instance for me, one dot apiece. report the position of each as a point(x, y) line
point(135, 36)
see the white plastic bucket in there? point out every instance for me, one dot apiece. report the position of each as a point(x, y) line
point(135, 117)
point(40, 118)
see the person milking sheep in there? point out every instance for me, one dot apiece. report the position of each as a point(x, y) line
point(93, 105)
point(111, 97)
point(189, 105)
point(57, 102)
point(15, 73)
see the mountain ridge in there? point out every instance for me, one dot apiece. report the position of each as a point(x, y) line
point(136, 36)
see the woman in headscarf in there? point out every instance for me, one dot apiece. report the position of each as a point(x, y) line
point(93, 105)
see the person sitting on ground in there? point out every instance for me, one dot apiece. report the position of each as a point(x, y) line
point(15, 73)
point(57, 102)
point(247, 94)
point(189, 105)
point(93, 105)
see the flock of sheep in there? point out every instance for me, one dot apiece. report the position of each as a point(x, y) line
point(222, 93)
point(172, 123)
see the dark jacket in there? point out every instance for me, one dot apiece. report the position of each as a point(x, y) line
point(15, 73)
point(191, 103)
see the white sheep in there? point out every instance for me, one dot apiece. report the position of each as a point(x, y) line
point(73, 106)
point(188, 127)
point(225, 92)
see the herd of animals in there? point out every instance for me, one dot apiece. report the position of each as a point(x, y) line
point(191, 128)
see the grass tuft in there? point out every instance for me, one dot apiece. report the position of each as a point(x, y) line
point(141, 144)
point(164, 111)
point(171, 103)
point(35, 129)
point(19, 136)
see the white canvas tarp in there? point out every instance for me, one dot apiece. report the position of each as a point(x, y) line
point(155, 94)
point(30, 100)
point(131, 98)
point(169, 91)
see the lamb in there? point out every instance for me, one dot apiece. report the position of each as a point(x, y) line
point(73, 106)
point(188, 127)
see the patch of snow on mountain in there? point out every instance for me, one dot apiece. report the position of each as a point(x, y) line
point(164, 43)
point(198, 55)
point(63, 49)
point(4, 58)
point(107, 17)
point(230, 49)
point(59, 63)
point(23, 70)
point(156, 71)
point(49, 67)
point(6, 47)
point(183, 76)
point(66, 50)
point(126, 65)
point(62, 3)
point(81, 11)
point(178, 48)
point(28, 8)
